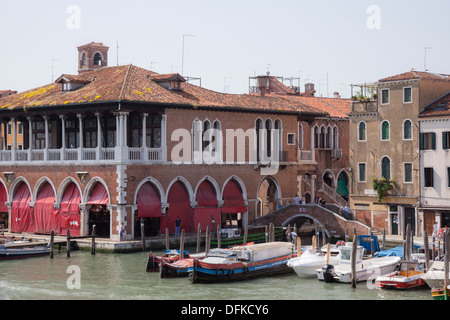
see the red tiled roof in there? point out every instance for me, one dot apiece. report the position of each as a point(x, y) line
point(131, 83)
point(335, 108)
point(438, 108)
point(417, 75)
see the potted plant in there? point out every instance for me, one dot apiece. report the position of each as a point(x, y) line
point(381, 187)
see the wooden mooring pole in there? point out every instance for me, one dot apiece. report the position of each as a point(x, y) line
point(93, 240)
point(167, 239)
point(182, 244)
point(208, 240)
point(427, 250)
point(143, 235)
point(52, 246)
point(68, 244)
point(219, 240)
point(353, 262)
point(446, 259)
point(245, 234)
point(199, 237)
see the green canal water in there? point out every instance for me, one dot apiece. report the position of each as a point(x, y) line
point(107, 276)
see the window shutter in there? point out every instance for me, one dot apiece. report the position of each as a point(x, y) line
point(421, 141)
point(433, 140)
point(445, 140)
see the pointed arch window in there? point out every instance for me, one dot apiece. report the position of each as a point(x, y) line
point(385, 128)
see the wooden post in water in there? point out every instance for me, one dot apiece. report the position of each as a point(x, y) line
point(346, 235)
point(199, 237)
point(208, 240)
point(299, 247)
point(328, 252)
point(219, 237)
point(407, 243)
point(384, 239)
point(427, 250)
point(267, 233)
point(324, 237)
point(68, 243)
point(271, 232)
point(372, 247)
point(167, 239)
point(245, 234)
point(52, 246)
point(313, 243)
point(143, 235)
point(353, 262)
point(93, 240)
point(433, 250)
point(182, 244)
point(446, 238)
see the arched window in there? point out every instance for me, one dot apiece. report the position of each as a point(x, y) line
point(83, 59)
point(196, 136)
point(269, 137)
point(97, 59)
point(258, 127)
point(335, 138)
point(385, 130)
point(407, 130)
point(386, 168)
point(322, 137)
point(300, 136)
point(362, 131)
point(206, 139)
point(329, 139)
point(280, 133)
point(316, 137)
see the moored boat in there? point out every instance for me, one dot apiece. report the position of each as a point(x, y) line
point(169, 256)
point(16, 253)
point(234, 236)
point(179, 268)
point(309, 261)
point(406, 276)
point(434, 276)
point(342, 272)
point(243, 262)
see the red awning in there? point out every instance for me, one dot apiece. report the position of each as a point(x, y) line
point(233, 200)
point(69, 212)
point(207, 206)
point(44, 215)
point(99, 195)
point(20, 210)
point(148, 202)
point(3, 199)
point(179, 205)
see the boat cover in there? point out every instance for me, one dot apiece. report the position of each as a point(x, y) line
point(364, 241)
point(397, 251)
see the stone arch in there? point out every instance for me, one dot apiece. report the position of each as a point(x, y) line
point(90, 186)
point(269, 191)
point(38, 186)
point(213, 183)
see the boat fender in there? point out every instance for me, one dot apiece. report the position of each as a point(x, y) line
point(328, 273)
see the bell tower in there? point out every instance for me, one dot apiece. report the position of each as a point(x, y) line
point(92, 56)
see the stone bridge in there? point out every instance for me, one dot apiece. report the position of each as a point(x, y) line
point(334, 225)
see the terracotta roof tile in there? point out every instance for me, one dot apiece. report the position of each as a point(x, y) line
point(417, 75)
point(438, 108)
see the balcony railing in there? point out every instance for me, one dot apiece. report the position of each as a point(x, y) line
point(82, 155)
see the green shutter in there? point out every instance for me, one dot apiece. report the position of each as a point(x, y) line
point(445, 140)
point(421, 141)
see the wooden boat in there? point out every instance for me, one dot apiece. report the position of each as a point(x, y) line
point(440, 293)
point(243, 262)
point(179, 268)
point(406, 276)
point(169, 256)
point(364, 268)
point(434, 276)
point(309, 261)
point(16, 253)
point(233, 236)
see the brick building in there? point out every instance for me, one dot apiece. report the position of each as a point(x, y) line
point(112, 145)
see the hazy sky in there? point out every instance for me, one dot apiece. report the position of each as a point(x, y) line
point(344, 41)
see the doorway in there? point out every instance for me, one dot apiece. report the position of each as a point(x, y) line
point(99, 216)
point(410, 218)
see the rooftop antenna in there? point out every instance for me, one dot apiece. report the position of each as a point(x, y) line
point(117, 51)
point(53, 67)
point(425, 62)
point(151, 65)
point(182, 58)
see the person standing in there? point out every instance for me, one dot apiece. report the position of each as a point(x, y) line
point(435, 229)
point(297, 199)
point(346, 210)
point(177, 226)
point(122, 231)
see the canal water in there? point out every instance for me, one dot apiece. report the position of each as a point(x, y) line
point(107, 276)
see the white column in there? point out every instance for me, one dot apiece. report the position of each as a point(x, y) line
point(63, 138)
point(99, 136)
point(14, 146)
point(144, 136)
point(30, 138)
point(80, 147)
point(46, 138)
point(164, 137)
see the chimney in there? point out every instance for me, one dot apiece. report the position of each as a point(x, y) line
point(337, 95)
point(263, 84)
point(309, 87)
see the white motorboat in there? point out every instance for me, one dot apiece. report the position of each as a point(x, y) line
point(434, 277)
point(334, 248)
point(365, 269)
point(309, 261)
